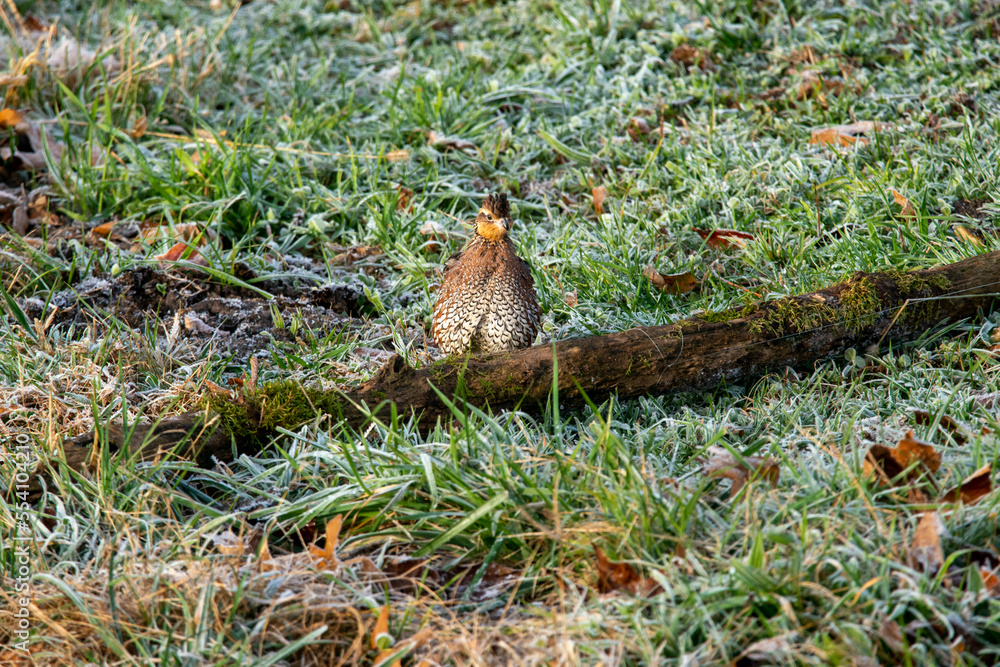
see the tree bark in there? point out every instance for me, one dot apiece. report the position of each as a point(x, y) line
point(694, 354)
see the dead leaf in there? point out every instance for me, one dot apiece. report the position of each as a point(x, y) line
point(34, 24)
point(689, 56)
point(907, 208)
point(450, 143)
point(34, 159)
point(10, 118)
point(888, 463)
point(772, 94)
point(672, 283)
point(19, 221)
point(723, 464)
point(355, 254)
point(265, 562)
point(138, 128)
point(721, 239)
point(892, 635)
point(570, 299)
point(179, 251)
point(975, 487)
point(771, 651)
point(925, 549)
point(192, 232)
point(816, 86)
point(638, 128)
point(846, 135)
point(328, 553)
point(436, 232)
point(969, 236)
point(959, 431)
point(70, 61)
point(382, 641)
point(434, 229)
point(621, 577)
point(990, 581)
point(398, 155)
point(197, 325)
point(600, 193)
point(104, 229)
point(404, 199)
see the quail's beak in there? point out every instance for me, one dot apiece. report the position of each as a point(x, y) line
point(505, 223)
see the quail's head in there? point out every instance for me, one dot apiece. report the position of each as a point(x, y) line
point(493, 221)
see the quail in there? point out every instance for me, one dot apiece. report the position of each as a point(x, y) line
point(487, 302)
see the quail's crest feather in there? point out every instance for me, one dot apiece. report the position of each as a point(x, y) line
point(497, 204)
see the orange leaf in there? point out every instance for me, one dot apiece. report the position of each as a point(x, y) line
point(381, 639)
point(845, 135)
point(990, 580)
point(911, 449)
point(969, 236)
point(176, 252)
point(674, 283)
point(925, 549)
point(600, 193)
point(265, 562)
point(973, 489)
point(721, 239)
point(908, 211)
point(329, 551)
point(104, 229)
point(621, 577)
point(888, 463)
point(10, 118)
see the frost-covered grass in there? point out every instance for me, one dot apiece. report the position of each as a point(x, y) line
point(296, 129)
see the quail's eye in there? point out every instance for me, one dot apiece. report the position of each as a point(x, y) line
point(489, 216)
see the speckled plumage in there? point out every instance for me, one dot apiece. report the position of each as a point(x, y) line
point(487, 302)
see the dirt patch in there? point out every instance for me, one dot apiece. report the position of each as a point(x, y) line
point(971, 208)
point(240, 321)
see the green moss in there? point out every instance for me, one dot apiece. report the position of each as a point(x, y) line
point(792, 314)
point(440, 370)
point(859, 304)
point(283, 403)
point(908, 283)
point(487, 389)
point(727, 315)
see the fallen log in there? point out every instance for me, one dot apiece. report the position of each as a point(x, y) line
point(698, 353)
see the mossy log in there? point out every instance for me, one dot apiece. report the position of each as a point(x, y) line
point(700, 353)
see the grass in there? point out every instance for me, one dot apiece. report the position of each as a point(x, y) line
point(296, 131)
